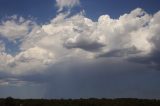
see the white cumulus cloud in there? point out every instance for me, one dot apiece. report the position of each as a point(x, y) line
point(78, 37)
point(15, 27)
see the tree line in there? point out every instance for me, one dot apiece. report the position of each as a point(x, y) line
point(79, 102)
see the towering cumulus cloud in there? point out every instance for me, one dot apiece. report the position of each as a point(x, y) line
point(74, 56)
point(133, 37)
point(66, 4)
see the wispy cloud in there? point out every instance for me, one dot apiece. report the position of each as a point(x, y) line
point(61, 4)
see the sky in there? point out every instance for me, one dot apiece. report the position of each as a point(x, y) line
point(80, 49)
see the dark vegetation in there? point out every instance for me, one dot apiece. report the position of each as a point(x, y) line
point(78, 102)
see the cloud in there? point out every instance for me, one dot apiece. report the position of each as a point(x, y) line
point(83, 44)
point(134, 34)
point(2, 46)
point(154, 31)
point(63, 53)
point(13, 82)
point(152, 60)
point(120, 52)
point(15, 27)
point(66, 4)
point(35, 58)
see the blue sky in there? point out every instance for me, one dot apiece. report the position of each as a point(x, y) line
point(80, 48)
point(44, 10)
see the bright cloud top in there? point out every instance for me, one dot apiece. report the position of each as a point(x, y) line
point(136, 34)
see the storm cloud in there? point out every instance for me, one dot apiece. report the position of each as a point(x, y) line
point(77, 36)
point(62, 53)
